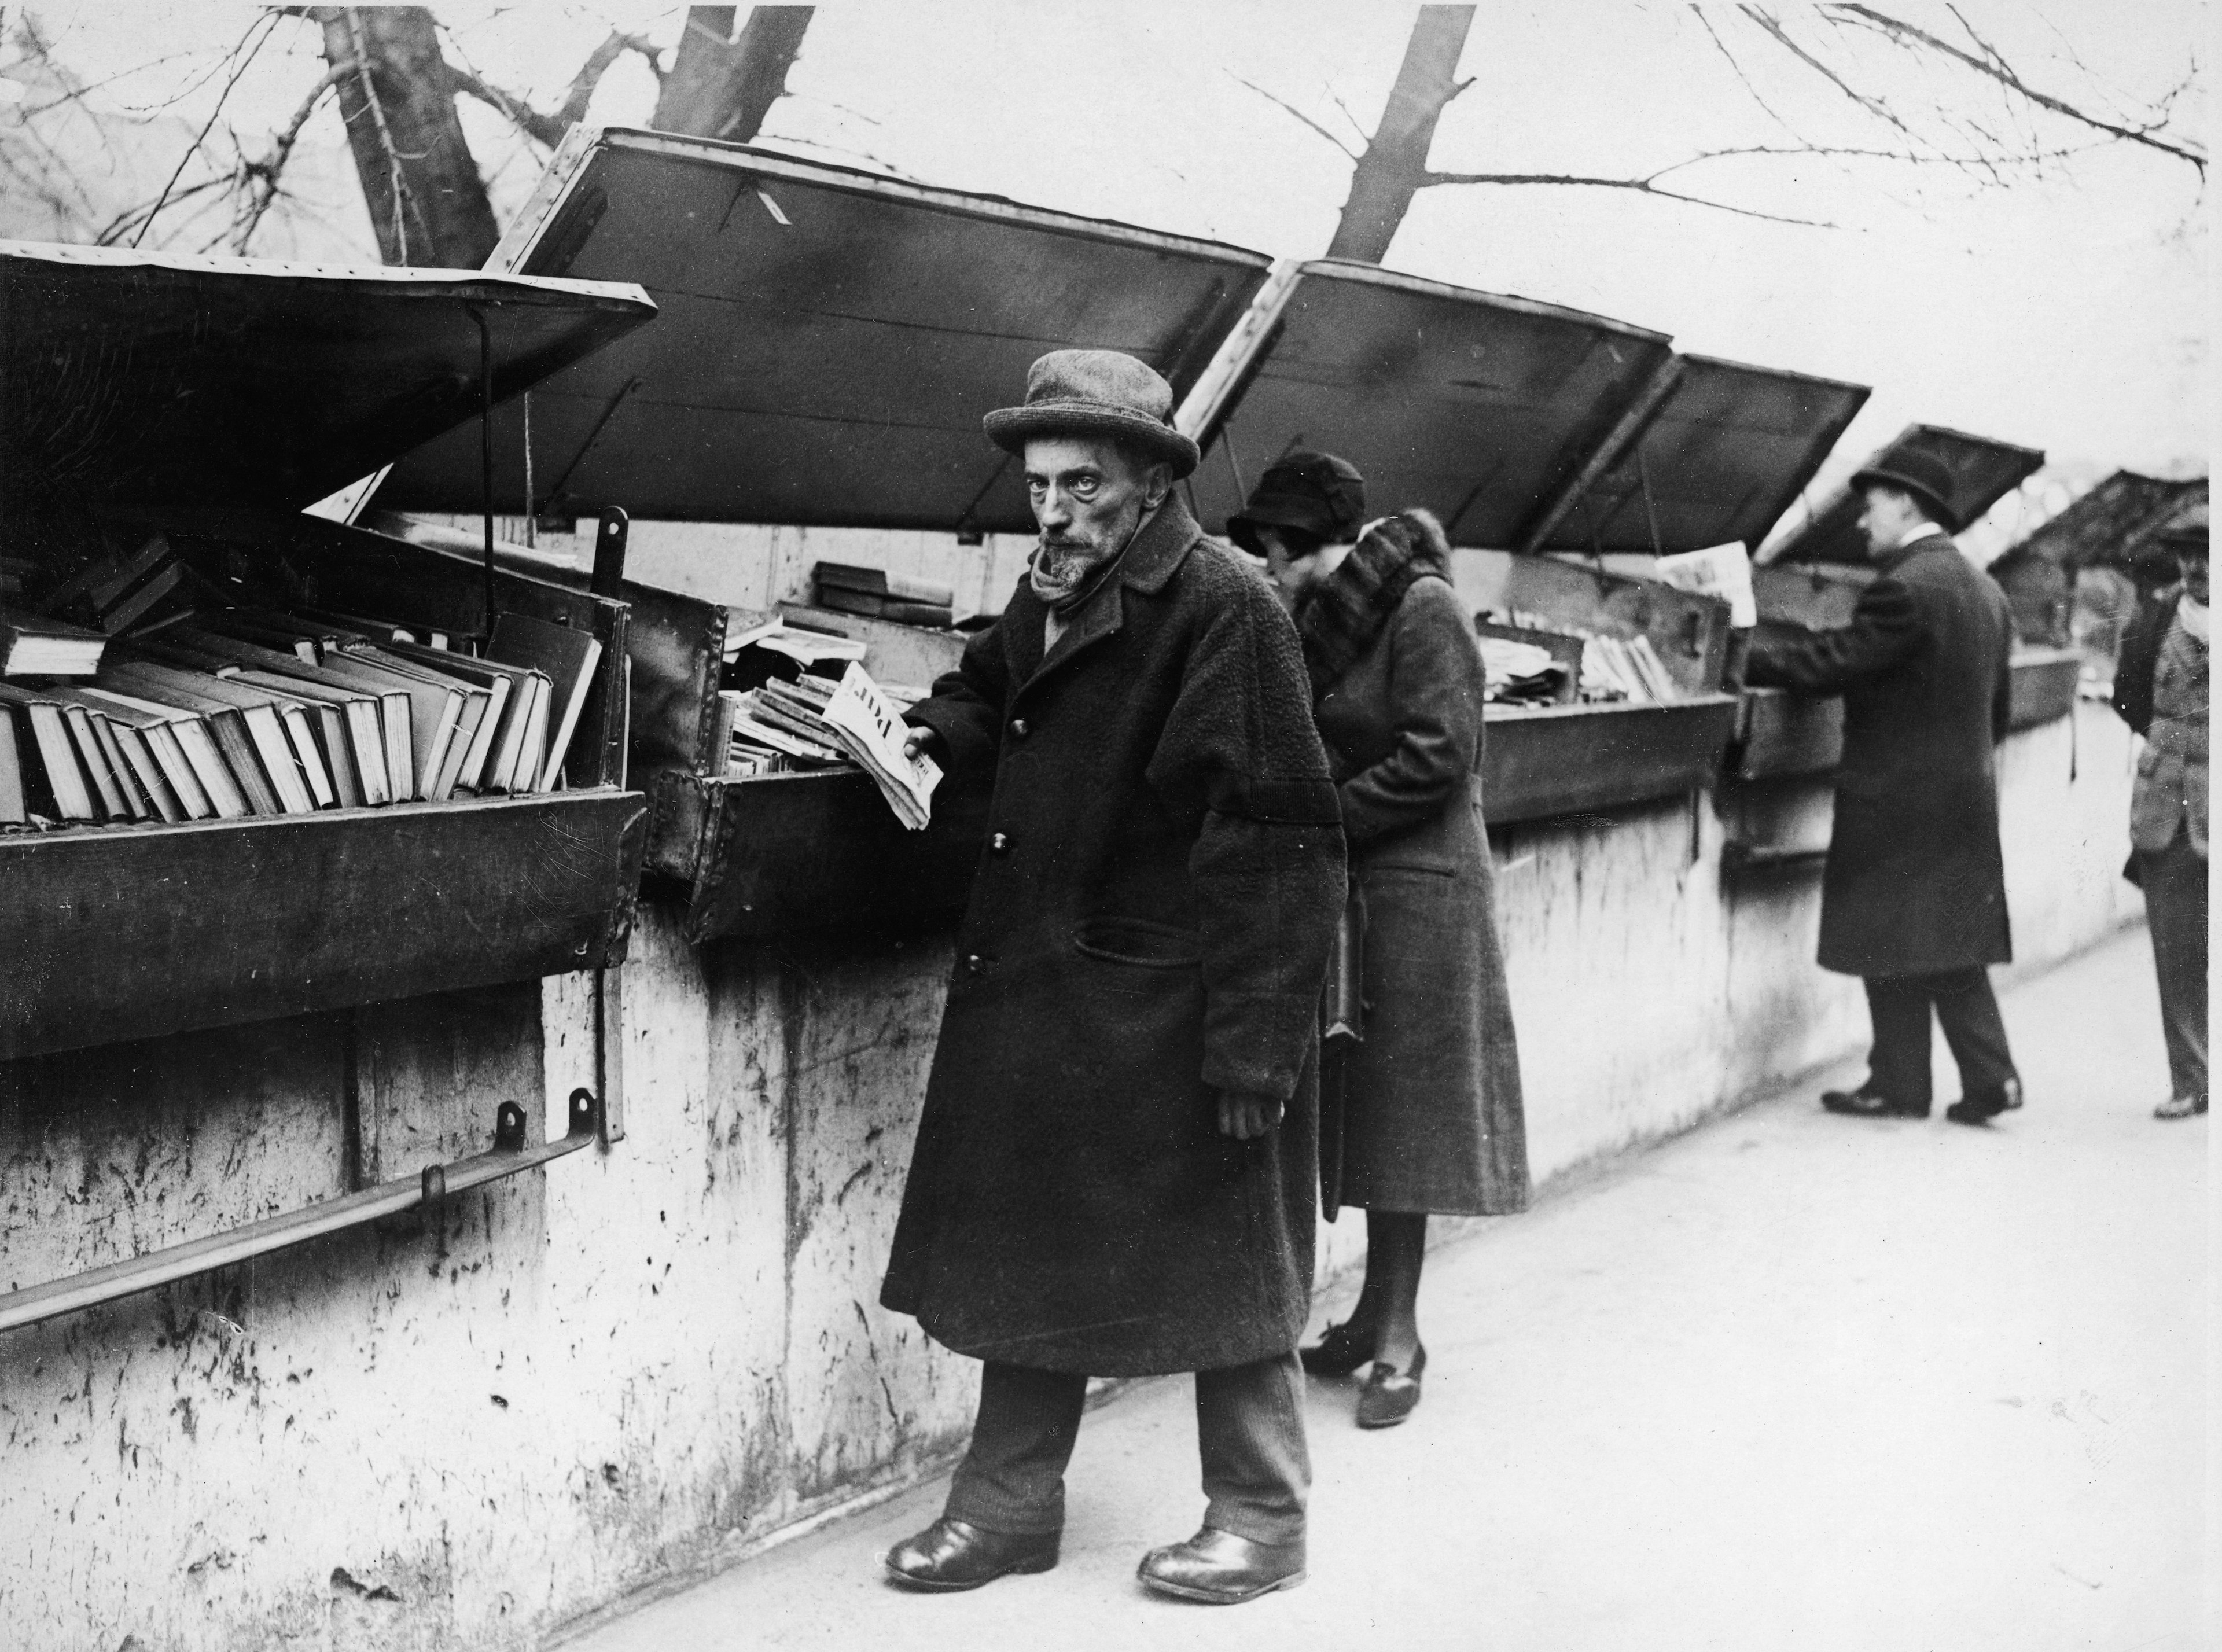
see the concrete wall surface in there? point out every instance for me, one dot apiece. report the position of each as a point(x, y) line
point(640, 1363)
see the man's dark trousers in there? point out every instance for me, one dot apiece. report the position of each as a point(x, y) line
point(1897, 1066)
point(1249, 1430)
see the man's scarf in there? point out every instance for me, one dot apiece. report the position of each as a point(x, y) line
point(1342, 615)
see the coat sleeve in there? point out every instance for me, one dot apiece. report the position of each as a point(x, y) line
point(2138, 660)
point(1238, 753)
point(1886, 630)
point(1437, 684)
point(966, 706)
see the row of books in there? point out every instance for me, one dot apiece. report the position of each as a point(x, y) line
point(1613, 667)
point(239, 712)
point(901, 597)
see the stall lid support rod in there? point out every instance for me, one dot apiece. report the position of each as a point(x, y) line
point(433, 1186)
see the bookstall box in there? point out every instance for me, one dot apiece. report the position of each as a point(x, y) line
point(207, 401)
point(1544, 439)
point(827, 342)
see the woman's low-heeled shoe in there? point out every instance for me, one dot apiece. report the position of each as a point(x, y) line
point(1341, 1351)
point(1390, 1395)
point(950, 1554)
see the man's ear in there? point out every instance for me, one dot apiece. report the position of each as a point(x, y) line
point(1158, 484)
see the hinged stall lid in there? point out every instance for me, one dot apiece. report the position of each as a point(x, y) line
point(1983, 473)
point(1725, 454)
point(135, 379)
point(829, 340)
point(2108, 526)
point(1473, 405)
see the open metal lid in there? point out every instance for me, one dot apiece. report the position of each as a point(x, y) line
point(135, 379)
point(2108, 525)
point(1983, 473)
point(829, 339)
point(1473, 405)
point(1729, 449)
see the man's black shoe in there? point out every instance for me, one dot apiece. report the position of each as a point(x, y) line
point(1985, 1105)
point(949, 1555)
point(1864, 1104)
point(1222, 1569)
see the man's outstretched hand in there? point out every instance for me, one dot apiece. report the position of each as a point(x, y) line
point(918, 737)
point(1247, 1117)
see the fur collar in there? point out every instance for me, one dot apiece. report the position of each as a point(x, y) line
point(1342, 615)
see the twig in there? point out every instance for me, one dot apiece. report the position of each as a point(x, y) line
point(1705, 23)
point(361, 44)
point(1298, 113)
point(261, 176)
point(2005, 75)
point(1873, 106)
point(246, 57)
point(1639, 186)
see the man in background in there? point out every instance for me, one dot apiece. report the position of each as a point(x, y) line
point(1914, 899)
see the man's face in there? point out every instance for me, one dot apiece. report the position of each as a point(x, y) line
point(1888, 514)
point(2194, 564)
point(1088, 497)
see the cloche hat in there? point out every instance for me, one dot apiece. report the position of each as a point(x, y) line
point(1923, 476)
point(1316, 493)
point(1095, 393)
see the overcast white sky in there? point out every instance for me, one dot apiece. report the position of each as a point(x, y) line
point(2068, 311)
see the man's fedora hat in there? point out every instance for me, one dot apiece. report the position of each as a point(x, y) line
point(1927, 478)
point(1096, 392)
point(1314, 493)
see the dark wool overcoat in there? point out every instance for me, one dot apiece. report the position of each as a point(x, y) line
point(1432, 1115)
point(1916, 884)
point(1149, 927)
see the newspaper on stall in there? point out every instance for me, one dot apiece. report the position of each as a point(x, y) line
point(1722, 571)
point(867, 723)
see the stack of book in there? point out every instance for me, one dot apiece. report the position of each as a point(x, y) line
point(1519, 673)
point(817, 722)
point(1613, 667)
point(233, 712)
point(881, 595)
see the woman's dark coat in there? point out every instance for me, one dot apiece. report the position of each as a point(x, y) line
point(1431, 1113)
point(1916, 884)
point(1149, 927)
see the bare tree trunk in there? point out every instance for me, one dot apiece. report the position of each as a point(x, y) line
point(721, 87)
point(1394, 167)
point(427, 201)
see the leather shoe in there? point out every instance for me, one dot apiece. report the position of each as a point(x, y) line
point(1390, 1395)
point(2180, 1107)
point(1985, 1105)
point(949, 1555)
point(1220, 1569)
point(1341, 1351)
point(1864, 1104)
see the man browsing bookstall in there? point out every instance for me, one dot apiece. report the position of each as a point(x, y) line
point(1115, 1167)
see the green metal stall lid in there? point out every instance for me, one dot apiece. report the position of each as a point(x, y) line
point(138, 378)
point(1472, 405)
point(829, 338)
point(1728, 450)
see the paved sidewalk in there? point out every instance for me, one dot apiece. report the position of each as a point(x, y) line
point(1790, 1383)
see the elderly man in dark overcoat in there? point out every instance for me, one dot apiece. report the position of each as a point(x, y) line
point(1115, 1168)
point(1914, 899)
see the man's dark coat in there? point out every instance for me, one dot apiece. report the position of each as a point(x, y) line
point(1149, 927)
point(1916, 884)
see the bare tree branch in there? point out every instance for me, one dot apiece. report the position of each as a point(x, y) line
point(246, 56)
point(1706, 24)
point(1906, 35)
point(549, 129)
point(1873, 106)
point(1639, 186)
point(1291, 108)
point(260, 177)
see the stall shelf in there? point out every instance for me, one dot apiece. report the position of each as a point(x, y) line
point(1552, 761)
point(211, 399)
point(1781, 735)
point(828, 342)
point(2044, 684)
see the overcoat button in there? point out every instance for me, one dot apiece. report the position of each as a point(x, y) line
point(1018, 728)
point(999, 845)
point(975, 965)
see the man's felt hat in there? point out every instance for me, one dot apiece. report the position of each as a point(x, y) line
point(1316, 493)
point(1928, 478)
point(1096, 392)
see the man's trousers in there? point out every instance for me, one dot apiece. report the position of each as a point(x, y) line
point(1249, 1430)
point(2174, 882)
point(1899, 1005)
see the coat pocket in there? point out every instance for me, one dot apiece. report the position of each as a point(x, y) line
point(1139, 941)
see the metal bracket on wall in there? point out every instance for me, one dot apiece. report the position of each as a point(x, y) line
point(432, 1188)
